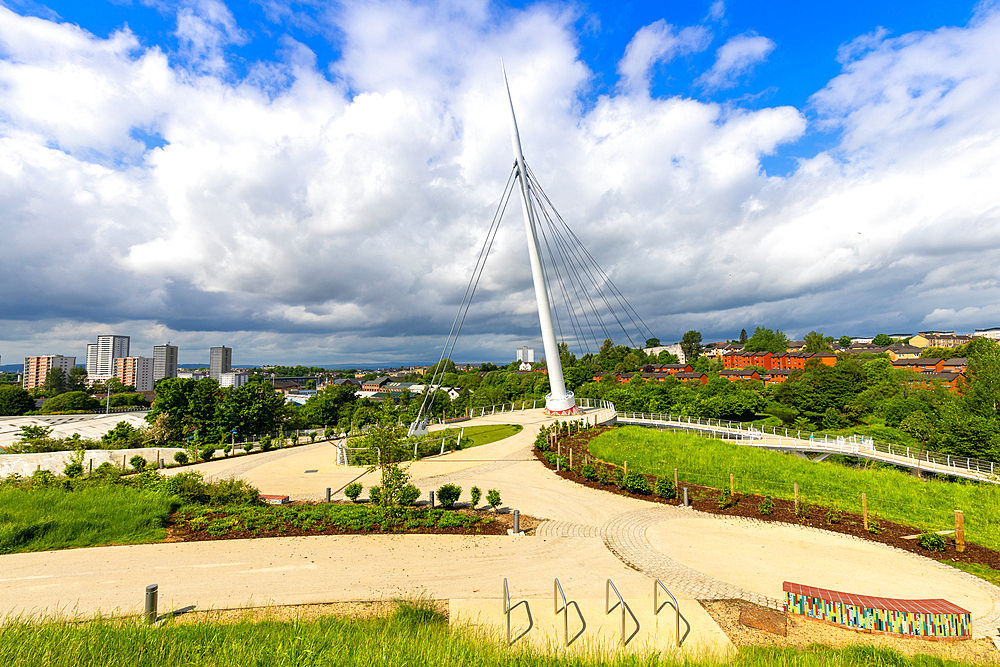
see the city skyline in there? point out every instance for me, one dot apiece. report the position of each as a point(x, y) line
point(179, 172)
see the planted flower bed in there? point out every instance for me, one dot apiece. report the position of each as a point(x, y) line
point(249, 521)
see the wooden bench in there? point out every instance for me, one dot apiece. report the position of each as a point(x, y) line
point(933, 620)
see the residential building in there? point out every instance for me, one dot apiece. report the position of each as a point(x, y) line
point(901, 351)
point(101, 357)
point(795, 346)
point(696, 377)
point(36, 369)
point(220, 361)
point(526, 356)
point(777, 376)
point(939, 339)
point(866, 340)
point(191, 375)
point(674, 349)
point(135, 372)
point(375, 384)
point(164, 361)
point(735, 374)
point(992, 332)
point(233, 379)
point(928, 365)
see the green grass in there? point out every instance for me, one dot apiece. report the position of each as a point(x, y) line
point(975, 569)
point(413, 635)
point(43, 519)
point(484, 435)
point(892, 495)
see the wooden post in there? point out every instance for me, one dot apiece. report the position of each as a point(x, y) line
point(675, 482)
point(959, 531)
point(732, 485)
point(559, 449)
point(626, 468)
point(91, 465)
point(864, 508)
point(570, 457)
point(796, 496)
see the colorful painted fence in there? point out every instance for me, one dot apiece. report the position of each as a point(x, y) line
point(935, 620)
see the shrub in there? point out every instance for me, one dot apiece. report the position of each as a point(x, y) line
point(588, 472)
point(833, 515)
point(312, 436)
point(248, 446)
point(352, 491)
point(874, 525)
point(475, 494)
point(766, 505)
point(227, 449)
point(207, 453)
point(665, 488)
point(73, 469)
point(181, 457)
point(604, 475)
point(137, 462)
point(408, 495)
point(932, 541)
point(493, 498)
point(265, 444)
point(802, 509)
point(619, 476)
point(725, 500)
point(551, 458)
point(448, 494)
point(232, 492)
point(189, 487)
point(43, 479)
point(375, 495)
point(635, 482)
point(105, 474)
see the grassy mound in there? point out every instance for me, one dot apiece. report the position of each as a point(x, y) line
point(892, 495)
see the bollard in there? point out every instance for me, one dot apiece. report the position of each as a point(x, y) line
point(517, 521)
point(686, 497)
point(864, 508)
point(558, 461)
point(431, 494)
point(328, 494)
point(151, 595)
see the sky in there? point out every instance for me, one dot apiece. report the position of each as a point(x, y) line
point(311, 182)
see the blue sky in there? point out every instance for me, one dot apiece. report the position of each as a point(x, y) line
point(185, 163)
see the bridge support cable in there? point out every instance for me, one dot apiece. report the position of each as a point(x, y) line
point(584, 274)
point(463, 310)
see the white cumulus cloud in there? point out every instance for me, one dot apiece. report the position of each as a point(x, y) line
point(735, 59)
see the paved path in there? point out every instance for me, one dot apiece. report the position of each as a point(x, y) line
point(588, 536)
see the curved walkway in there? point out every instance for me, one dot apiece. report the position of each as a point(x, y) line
point(588, 535)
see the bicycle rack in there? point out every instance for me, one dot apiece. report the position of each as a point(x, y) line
point(657, 584)
point(608, 587)
point(557, 592)
point(507, 609)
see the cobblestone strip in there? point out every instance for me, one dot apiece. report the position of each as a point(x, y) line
point(567, 529)
point(625, 536)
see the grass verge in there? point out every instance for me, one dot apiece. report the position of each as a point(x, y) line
point(975, 569)
point(415, 634)
point(44, 519)
point(473, 436)
point(891, 494)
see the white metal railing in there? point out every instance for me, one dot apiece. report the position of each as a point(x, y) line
point(854, 445)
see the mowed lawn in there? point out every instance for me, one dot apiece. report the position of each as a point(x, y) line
point(892, 494)
point(43, 519)
point(473, 436)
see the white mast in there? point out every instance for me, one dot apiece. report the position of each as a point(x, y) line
point(559, 400)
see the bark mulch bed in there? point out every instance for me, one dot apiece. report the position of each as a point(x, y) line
point(706, 499)
point(499, 525)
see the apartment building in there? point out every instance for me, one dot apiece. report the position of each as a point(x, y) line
point(101, 355)
point(233, 379)
point(220, 360)
point(36, 369)
point(164, 361)
point(136, 372)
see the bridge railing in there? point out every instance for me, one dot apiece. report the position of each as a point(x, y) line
point(588, 403)
point(853, 444)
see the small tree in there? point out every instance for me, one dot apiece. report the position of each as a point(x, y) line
point(383, 441)
point(138, 463)
point(475, 494)
point(493, 498)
